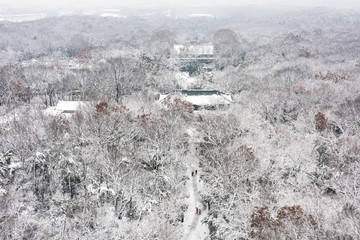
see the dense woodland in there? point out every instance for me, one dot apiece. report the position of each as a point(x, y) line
point(282, 162)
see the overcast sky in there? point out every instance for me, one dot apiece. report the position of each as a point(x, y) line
point(349, 4)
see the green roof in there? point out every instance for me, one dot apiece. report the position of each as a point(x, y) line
point(200, 92)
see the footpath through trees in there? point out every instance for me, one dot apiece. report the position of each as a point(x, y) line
point(194, 228)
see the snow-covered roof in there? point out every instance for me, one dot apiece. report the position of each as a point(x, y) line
point(203, 100)
point(202, 97)
point(194, 49)
point(112, 15)
point(64, 107)
point(69, 105)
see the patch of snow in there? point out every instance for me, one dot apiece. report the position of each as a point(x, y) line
point(39, 155)
point(201, 15)
point(107, 190)
point(184, 80)
point(72, 161)
point(91, 188)
point(2, 192)
point(14, 165)
point(22, 17)
point(51, 111)
point(114, 15)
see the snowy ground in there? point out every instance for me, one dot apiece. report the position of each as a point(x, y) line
point(195, 229)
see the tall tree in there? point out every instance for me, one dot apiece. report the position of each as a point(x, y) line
point(122, 77)
point(227, 48)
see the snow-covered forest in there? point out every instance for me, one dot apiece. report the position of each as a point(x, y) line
point(280, 161)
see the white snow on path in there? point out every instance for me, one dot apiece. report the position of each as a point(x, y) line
point(194, 228)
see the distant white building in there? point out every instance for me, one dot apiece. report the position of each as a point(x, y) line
point(202, 99)
point(203, 53)
point(65, 108)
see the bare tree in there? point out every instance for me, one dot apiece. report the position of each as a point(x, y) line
point(122, 77)
point(162, 41)
point(227, 48)
point(78, 45)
